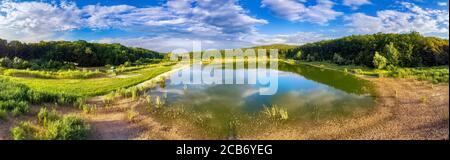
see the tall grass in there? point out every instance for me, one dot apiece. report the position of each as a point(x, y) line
point(15, 97)
point(435, 74)
point(91, 86)
point(276, 113)
point(431, 74)
point(24, 131)
point(132, 116)
point(159, 102)
point(51, 127)
point(63, 74)
point(45, 116)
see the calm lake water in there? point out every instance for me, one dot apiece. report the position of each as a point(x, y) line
point(305, 92)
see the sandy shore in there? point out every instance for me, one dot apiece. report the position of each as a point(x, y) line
point(407, 109)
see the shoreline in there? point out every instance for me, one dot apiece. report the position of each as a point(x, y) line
point(406, 109)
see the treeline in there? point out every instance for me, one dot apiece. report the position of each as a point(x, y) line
point(80, 53)
point(403, 50)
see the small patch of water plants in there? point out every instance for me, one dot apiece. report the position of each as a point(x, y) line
point(276, 113)
point(132, 116)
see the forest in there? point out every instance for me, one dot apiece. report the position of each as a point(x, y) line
point(55, 54)
point(402, 50)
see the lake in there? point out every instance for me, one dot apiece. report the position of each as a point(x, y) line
point(307, 93)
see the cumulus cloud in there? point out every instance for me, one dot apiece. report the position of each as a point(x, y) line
point(356, 3)
point(414, 18)
point(442, 3)
point(41, 20)
point(37, 21)
point(297, 11)
point(294, 39)
point(169, 43)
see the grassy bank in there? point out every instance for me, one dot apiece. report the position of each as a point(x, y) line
point(63, 74)
point(92, 86)
point(431, 74)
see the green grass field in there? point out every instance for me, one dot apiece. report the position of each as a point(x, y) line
point(92, 86)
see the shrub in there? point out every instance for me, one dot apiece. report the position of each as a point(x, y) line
point(298, 56)
point(67, 128)
point(132, 116)
point(16, 107)
point(5, 62)
point(24, 131)
point(357, 71)
point(379, 62)
point(44, 116)
point(392, 54)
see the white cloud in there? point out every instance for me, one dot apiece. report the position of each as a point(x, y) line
point(296, 11)
point(442, 3)
point(356, 3)
point(168, 43)
point(37, 21)
point(173, 25)
point(30, 21)
point(415, 18)
point(293, 39)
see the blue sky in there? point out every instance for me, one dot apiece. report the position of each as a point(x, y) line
point(165, 25)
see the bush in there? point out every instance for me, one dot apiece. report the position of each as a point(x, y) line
point(54, 128)
point(5, 62)
point(24, 131)
point(392, 54)
point(68, 128)
point(44, 116)
point(379, 62)
point(16, 107)
point(298, 56)
point(357, 71)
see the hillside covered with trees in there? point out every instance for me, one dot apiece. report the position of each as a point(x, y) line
point(56, 53)
point(376, 50)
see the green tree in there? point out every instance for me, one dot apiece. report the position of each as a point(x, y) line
point(338, 59)
point(298, 56)
point(6, 62)
point(392, 54)
point(379, 61)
